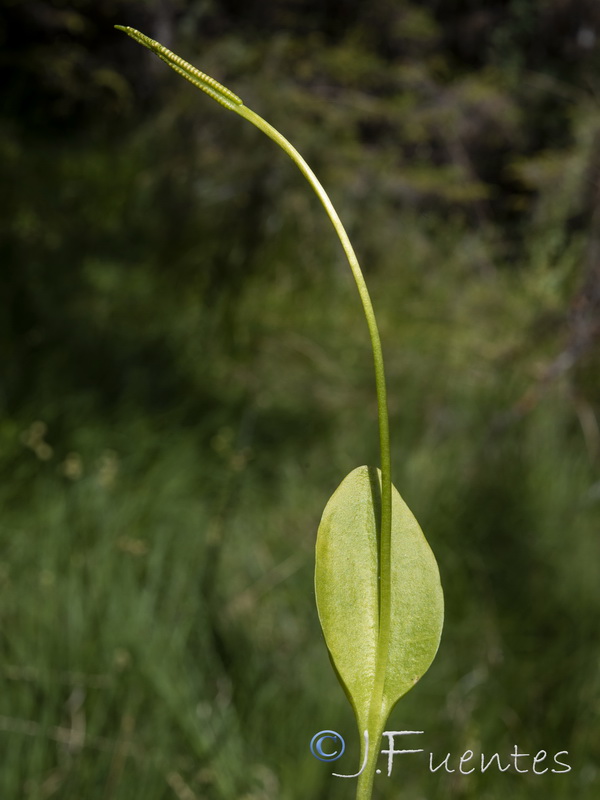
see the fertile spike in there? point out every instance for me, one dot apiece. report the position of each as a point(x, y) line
point(216, 90)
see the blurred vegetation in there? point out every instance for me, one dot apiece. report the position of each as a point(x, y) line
point(186, 378)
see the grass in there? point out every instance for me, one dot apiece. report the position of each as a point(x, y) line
point(159, 636)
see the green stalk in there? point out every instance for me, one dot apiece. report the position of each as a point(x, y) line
point(378, 713)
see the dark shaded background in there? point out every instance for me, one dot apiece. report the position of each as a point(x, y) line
point(186, 378)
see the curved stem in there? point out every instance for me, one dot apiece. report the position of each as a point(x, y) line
point(380, 385)
point(377, 711)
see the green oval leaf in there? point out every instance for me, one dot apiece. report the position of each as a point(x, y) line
point(347, 590)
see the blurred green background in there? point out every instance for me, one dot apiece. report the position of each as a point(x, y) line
point(186, 377)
